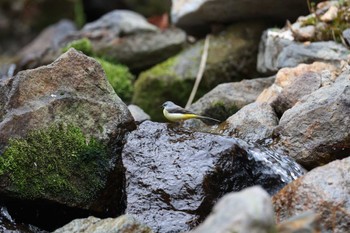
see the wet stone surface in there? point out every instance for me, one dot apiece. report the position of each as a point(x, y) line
point(174, 176)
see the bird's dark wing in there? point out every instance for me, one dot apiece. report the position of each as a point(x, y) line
point(179, 110)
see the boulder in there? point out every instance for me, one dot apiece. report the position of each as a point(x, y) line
point(325, 191)
point(292, 84)
point(174, 176)
point(122, 224)
point(60, 134)
point(138, 114)
point(231, 57)
point(316, 129)
point(194, 15)
point(249, 210)
point(255, 122)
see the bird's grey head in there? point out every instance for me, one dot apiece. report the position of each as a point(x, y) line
point(168, 104)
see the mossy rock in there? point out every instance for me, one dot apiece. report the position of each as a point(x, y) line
point(58, 163)
point(231, 57)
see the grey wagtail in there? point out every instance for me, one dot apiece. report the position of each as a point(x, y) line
point(174, 113)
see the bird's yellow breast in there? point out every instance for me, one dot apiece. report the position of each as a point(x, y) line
point(177, 116)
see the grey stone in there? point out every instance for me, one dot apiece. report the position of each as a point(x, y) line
point(253, 123)
point(325, 191)
point(138, 114)
point(249, 210)
point(316, 130)
point(278, 50)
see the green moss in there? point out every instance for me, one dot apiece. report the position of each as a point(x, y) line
point(163, 69)
point(58, 162)
point(120, 78)
point(84, 45)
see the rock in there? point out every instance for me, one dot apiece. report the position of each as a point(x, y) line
point(292, 84)
point(346, 35)
point(46, 47)
point(193, 15)
point(325, 191)
point(249, 210)
point(122, 224)
point(117, 23)
point(330, 15)
point(231, 57)
point(227, 98)
point(276, 52)
point(138, 114)
point(126, 37)
point(144, 50)
point(71, 91)
point(316, 130)
point(174, 176)
point(255, 122)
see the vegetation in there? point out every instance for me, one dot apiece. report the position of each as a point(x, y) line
point(57, 162)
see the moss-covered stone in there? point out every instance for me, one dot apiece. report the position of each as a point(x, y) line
point(58, 163)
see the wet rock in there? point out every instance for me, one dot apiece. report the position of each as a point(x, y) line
point(316, 130)
point(324, 190)
point(194, 15)
point(277, 51)
point(292, 84)
point(227, 98)
point(231, 57)
point(71, 91)
point(174, 176)
point(249, 210)
point(46, 47)
point(255, 122)
point(122, 224)
point(138, 114)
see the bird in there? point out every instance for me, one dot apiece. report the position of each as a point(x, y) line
point(175, 113)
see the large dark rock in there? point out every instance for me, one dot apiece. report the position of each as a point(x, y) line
point(325, 191)
point(316, 130)
point(174, 176)
point(43, 188)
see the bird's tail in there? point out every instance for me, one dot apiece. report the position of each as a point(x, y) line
point(207, 118)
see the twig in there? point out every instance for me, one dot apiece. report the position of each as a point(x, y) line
point(200, 71)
